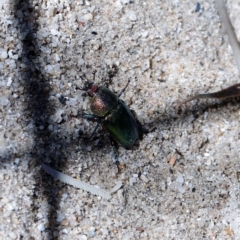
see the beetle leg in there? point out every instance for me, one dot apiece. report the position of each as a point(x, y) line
point(90, 117)
point(94, 131)
point(94, 118)
point(123, 90)
point(115, 151)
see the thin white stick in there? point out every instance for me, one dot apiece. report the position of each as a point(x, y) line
point(76, 183)
point(228, 28)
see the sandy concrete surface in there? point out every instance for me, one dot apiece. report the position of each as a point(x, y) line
point(180, 182)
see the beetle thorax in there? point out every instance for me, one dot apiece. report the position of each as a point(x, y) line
point(103, 101)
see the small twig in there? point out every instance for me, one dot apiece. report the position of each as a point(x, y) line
point(233, 91)
point(76, 183)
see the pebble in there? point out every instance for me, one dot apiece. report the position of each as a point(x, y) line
point(57, 117)
point(144, 178)
point(180, 179)
point(208, 162)
point(11, 55)
point(3, 54)
point(45, 50)
point(49, 69)
point(146, 65)
point(181, 189)
point(60, 216)
point(51, 10)
point(132, 180)
point(83, 237)
point(12, 235)
point(64, 222)
point(9, 82)
point(145, 34)
point(91, 232)
point(88, 16)
point(54, 32)
point(104, 232)
point(17, 160)
point(89, 148)
point(125, 1)
point(41, 227)
point(132, 16)
point(72, 102)
point(65, 231)
point(4, 101)
point(50, 127)
point(57, 58)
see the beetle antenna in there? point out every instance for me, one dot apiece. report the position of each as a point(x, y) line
point(87, 83)
point(123, 90)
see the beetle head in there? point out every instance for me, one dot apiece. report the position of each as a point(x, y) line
point(90, 88)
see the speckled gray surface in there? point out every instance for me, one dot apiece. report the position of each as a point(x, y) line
point(170, 52)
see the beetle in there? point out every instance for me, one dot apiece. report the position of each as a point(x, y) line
point(109, 111)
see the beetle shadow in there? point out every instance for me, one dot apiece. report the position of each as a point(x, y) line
point(202, 106)
point(182, 113)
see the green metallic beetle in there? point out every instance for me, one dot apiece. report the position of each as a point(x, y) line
point(114, 116)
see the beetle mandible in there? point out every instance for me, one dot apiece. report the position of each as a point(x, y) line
point(114, 115)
